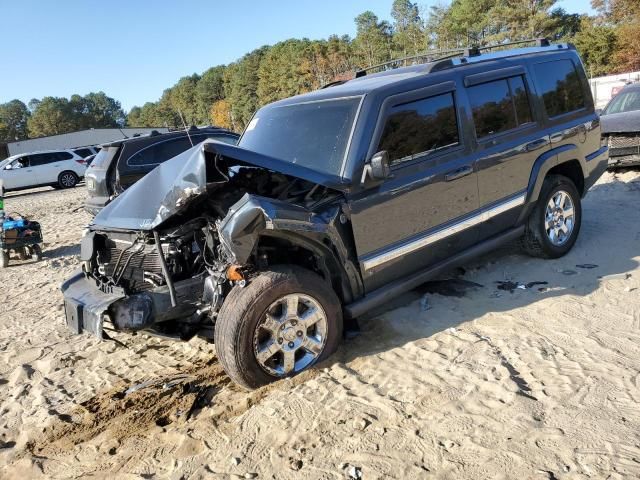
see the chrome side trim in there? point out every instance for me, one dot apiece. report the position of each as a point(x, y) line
point(377, 260)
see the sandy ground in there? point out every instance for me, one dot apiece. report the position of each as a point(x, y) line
point(541, 382)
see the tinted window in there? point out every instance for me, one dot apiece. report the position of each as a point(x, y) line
point(314, 135)
point(492, 108)
point(520, 100)
point(161, 152)
point(83, 152)
point(499, 106)
point(62, 156)
point(43, 158)
point(560, 87)
point(420, 127)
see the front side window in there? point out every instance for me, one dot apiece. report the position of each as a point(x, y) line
point(499, 106)
point(418, 128)
point(560, 87)
point(21, 162)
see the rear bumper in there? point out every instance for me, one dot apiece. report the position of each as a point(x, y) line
point(89, 309)
point(93, 205)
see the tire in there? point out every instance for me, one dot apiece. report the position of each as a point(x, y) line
point(36, 253)
point(538, 240)
point(67, 179)
point(4, 259)
point(24, 254)
point(243, 329)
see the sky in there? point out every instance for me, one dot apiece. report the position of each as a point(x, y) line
point(133, 50)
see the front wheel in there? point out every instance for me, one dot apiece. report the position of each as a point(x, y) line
point(553, 227)
point(284, 321)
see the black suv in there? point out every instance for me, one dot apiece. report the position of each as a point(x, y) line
point(337, 200)
point(120, 164)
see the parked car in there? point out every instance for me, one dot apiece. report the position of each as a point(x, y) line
point(85, 152)
point(337, 200)
point(120, 164)
point(57, 168)
point(621, 127)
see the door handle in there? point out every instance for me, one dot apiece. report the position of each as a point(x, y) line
point(458, 173)
point(536, 144)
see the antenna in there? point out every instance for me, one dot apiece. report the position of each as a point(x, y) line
point(185, 127)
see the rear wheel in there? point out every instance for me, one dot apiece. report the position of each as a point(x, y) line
point(553, 227)
point(4, 259)
point(67, 180)
point(36, 253)
point(283, 322)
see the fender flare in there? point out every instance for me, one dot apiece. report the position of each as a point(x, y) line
point(546, 162)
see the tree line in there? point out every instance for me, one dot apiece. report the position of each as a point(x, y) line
point(228, 95)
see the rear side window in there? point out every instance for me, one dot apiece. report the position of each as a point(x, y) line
point(419, 128)
point(560, 87)
point(63, 156)
point(499, 106)
point(43, 159)
point(83, 152)
point(161, 151)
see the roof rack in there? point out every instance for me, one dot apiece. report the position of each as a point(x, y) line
point(436, 55)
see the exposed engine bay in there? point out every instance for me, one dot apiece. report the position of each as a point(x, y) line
point(171, 279)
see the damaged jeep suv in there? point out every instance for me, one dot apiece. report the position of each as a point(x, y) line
point(337, 200)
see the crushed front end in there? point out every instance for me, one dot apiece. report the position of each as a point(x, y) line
point(163, 256)
point(129, 282)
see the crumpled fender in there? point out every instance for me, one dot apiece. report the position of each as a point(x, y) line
point(254, 216)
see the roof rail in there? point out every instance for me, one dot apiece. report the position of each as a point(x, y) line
point(435, 55)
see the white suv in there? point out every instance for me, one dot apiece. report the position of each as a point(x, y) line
point(58, 168)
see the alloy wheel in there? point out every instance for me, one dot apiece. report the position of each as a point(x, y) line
point(291, 335)
point(559, 219)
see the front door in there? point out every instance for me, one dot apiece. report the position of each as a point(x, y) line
point(416, 216)
point(18, 174)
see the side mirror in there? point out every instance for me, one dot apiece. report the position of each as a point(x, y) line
point(9, 167)
point(378, 168)
point(598, 111)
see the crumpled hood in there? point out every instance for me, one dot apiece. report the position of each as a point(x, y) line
point(171, 186)
point(625, 122)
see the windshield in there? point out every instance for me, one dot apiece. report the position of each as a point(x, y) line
point(314, 134)
point(624, 102)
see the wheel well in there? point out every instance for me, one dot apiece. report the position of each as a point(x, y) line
point(279, 251)
point(573, 171)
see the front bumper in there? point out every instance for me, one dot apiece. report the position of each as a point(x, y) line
point(88, 309)
point(624, 160)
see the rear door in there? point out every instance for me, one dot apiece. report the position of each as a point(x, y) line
point(418, 215)
point(508, 140)
point(48, 166)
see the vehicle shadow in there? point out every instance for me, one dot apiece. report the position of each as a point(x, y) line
point(608, 245)
point(35, 191)
point(62, 251)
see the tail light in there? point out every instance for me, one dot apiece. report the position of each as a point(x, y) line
point(82, 162)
